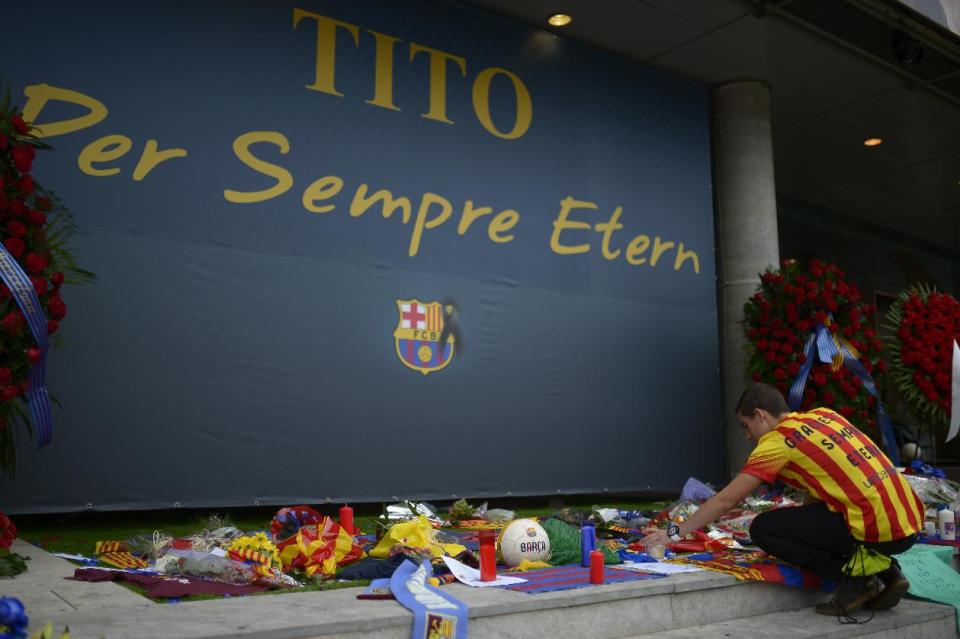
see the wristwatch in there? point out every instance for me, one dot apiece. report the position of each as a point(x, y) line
point(673, 532)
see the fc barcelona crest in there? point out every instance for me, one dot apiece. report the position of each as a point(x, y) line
point(441, 626)
point(419, 331)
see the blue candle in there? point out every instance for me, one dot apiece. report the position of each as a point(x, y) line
point(589, 543)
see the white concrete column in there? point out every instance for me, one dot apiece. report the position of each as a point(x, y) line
point(746, 229)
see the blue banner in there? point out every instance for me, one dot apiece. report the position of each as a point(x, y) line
point(343, 231)
point(436, 614)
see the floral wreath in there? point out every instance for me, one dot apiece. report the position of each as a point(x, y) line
point(779, 320)
point(34, 226)
point(926, 322)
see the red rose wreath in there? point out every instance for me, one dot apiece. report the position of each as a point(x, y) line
point(926, 323)
point(782, 315)
point(33, 229)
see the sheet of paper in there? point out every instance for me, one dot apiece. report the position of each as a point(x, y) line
point(64, 555)
point(471, 576)
point(658, 568)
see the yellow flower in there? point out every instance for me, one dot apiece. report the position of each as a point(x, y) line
point(258, 543)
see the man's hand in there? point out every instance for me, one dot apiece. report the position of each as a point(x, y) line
point(655, 537)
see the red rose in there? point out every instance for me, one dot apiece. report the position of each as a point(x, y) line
point(26, 184)
point(778, 373)
point(820, 379)
point(828, 398)
point(33, 354)
point(13, 323)
point(8, 532)
point(16, 228)
point(52, 326)
point(8, 392)
point(20, 125)
point(39, 285)
point(793, 369)
point(35, 262)
point(23, 155)
point(36, 217)
point(15, 245)
point(57, 279)
point(58, 310)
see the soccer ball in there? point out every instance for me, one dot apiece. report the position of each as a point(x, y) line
point(524, 539)
point(909, 452)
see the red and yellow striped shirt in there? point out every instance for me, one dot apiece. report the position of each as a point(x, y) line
point(824, 454)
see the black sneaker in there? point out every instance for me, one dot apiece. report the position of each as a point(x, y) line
point(895, 587)
point(852, 593)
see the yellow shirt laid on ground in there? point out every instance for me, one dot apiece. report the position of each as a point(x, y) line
point(824, 454)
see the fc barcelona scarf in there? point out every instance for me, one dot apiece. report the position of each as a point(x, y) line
point(757, 566)
point(123, 559)
point(436, 614)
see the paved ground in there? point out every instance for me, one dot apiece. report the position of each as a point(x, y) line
point(614, 610)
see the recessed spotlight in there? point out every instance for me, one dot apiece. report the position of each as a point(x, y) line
point(872, 142)
point(559, 19)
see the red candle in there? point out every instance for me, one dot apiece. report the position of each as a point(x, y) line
point(346, 518)
point(596, 567)
point(488, 555)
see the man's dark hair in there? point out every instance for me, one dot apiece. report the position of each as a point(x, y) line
point(762, 396)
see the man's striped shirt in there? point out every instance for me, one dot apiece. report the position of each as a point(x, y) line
point(824, 454)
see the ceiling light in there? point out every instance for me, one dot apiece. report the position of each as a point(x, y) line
point(559, 19)
point(872, 142)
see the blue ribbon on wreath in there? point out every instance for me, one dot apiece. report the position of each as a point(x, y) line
point(21, 288)
point(831, 349)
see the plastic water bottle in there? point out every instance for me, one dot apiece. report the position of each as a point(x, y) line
point(947, 530)
point(589, 544)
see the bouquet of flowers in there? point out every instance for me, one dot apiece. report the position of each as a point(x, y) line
point(34, 227)
point(779, 320)
point(10, 563)
point(926, 323)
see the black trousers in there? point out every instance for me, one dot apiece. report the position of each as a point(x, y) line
point(815, 538)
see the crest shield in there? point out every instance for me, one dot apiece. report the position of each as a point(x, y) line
point(417, 336)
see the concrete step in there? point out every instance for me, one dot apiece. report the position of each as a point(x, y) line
point(914, 619)
point(674, 604)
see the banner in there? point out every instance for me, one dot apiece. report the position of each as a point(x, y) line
point(336, 238)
